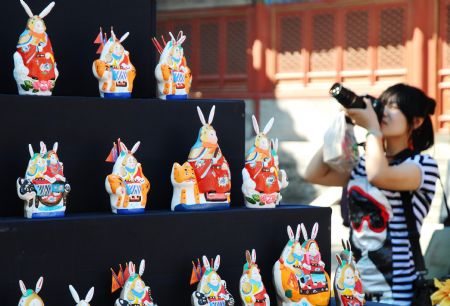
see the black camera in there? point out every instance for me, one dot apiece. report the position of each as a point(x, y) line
point(349, 99)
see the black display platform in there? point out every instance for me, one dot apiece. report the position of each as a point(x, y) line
point(333, 303)
point(72, 27)
point(86, 129)
point(81, 248)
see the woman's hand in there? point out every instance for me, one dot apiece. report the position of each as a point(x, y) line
point(364, 117)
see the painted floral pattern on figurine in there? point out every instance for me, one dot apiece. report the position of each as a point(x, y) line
point(44, 188)
point(35, 69)
point(204, 182)
point(134, 291)
point(76, 297)
point(127, 185)
point(299, 275)
point(114, 70)
point(30, 297)
point(251, 287)
point(262, 178)
point(211, 289)
point(172, 73)
point(348, 287)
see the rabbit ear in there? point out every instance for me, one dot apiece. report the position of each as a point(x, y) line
point(349, 246)
point(30, 149)
point(343, 244)
point(43, 148)
point(55, 147)
point(124, 36)
point(315, 230)
point(135, 147)
point(39, 284)
point(74, 293)
point(248, 257)
point(255, 124)
point(339, 260)
point(206, 263)
point(181, 40)
point(275, 144)
point(131, 268)
point(297, 233)
point(27, 8)
point(142, 267)
point(171, 37)
point(23, 288)
point(200, 115)
point(124, 147)
point(89, 295)
point(217, 263)
point(253, 256)
point(47, 10)
point(290, 233)
point(304, 232)
point(211, 114)
point(268, 126)
point(113, 35)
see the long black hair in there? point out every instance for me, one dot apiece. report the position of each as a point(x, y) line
point(413, 102)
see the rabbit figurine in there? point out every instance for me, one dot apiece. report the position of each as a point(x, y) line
point(204, 183)
point(172, 73)
point(211, 290)
point(134, 291)
point(35, 69)
point(251, 287)
point(76, 297)
point(44, 188)
point(262, 179)
point(114, 70)
point(348, 288)
point(30, 297)
point(127, 185)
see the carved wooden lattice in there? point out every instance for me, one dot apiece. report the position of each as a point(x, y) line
point(391, 50)
point(236, 53)
point(209, 48)
point(323, 52)
point(356, 41)
point(289, 53)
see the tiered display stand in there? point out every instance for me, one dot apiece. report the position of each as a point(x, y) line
point(80, 248)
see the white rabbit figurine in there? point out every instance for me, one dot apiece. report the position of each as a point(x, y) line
point(172, 73)
point(76, 297)
point(34, 62)
point(204, 183)
point(30, 297)
point(44, 189)
point(262, 179)
point(251, 287)
point(211, 290)
point(114, 70)
point(134, 291)
point(127, 185)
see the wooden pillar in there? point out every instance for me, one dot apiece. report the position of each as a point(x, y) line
point(418, 59)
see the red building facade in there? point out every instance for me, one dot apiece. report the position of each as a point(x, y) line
point(298, 50)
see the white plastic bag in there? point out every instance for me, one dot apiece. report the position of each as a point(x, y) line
point(340, 149)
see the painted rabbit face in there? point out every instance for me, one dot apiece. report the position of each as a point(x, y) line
point(262, 142)
point(131, 162)
point(139, 285)
point(208, 134)
point(349, 277)
point(214, 279)
point(313, 249)
point(36, 24)
point(254, 274)
point(177, 53)
point(53, 158)
point(118, 49)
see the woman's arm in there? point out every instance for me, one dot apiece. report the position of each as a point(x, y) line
point(318, 172)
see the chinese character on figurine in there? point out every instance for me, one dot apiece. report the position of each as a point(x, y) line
point(134, 291)
point(30, 297)
point(348, 288)
point(44, 188)
point(299, 275)
point(114, 70)
point(127, 186)
point(172, 73)
point(211, 289)
point(262, 179)
point(251, 287)
point(76, 297)
point(34, 62)
point(204, 181)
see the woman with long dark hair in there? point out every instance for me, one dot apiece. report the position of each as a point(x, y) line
point(392, 176)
